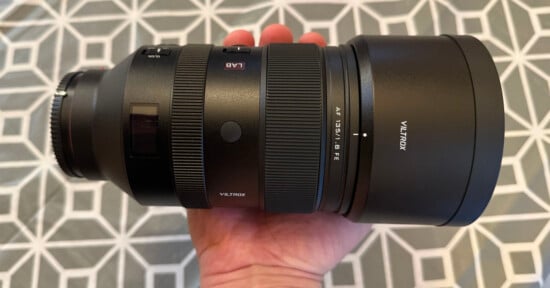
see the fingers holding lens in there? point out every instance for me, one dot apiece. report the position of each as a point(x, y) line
point(276, 33)
point(239, 37)
point(313, 37)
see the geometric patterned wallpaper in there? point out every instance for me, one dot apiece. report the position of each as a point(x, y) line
point(62, 232)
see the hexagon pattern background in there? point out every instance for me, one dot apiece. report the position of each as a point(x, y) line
point(61, 232)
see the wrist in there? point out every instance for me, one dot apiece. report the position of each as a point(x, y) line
point(260, 276)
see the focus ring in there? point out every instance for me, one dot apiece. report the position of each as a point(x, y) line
point(293, 127)
point(187, 125)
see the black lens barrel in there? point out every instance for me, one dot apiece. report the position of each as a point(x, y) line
point(342, 127)
point(71, 126)
point(391, 129)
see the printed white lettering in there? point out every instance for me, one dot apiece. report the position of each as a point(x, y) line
point(403, 136)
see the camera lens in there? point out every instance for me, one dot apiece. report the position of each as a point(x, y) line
point(390, 129)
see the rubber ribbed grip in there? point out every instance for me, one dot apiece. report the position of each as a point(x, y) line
point(187, 125)
point(293, 127)
point(55, 124)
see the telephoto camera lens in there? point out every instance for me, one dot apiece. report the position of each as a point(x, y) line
point(383, 129)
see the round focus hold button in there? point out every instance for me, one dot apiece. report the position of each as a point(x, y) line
point(231, 131)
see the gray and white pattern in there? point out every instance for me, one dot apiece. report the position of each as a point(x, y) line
point(61, 232)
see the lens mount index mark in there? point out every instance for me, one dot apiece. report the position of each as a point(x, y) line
point(364, 135)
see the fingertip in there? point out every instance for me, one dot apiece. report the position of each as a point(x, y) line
point(276, 33)
point(313, 37)
point(239, 37)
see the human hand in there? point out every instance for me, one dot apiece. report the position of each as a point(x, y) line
point(250, 248)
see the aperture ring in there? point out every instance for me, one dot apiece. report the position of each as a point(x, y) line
point(293, 127)
point(187, 126)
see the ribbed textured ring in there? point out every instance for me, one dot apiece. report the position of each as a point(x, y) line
point(187, 126)
point(293, 127)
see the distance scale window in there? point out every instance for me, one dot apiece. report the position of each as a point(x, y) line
point(144, 125)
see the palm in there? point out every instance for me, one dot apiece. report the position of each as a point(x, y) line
point(310, 242)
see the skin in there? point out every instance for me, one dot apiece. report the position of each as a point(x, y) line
point(252, 248)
